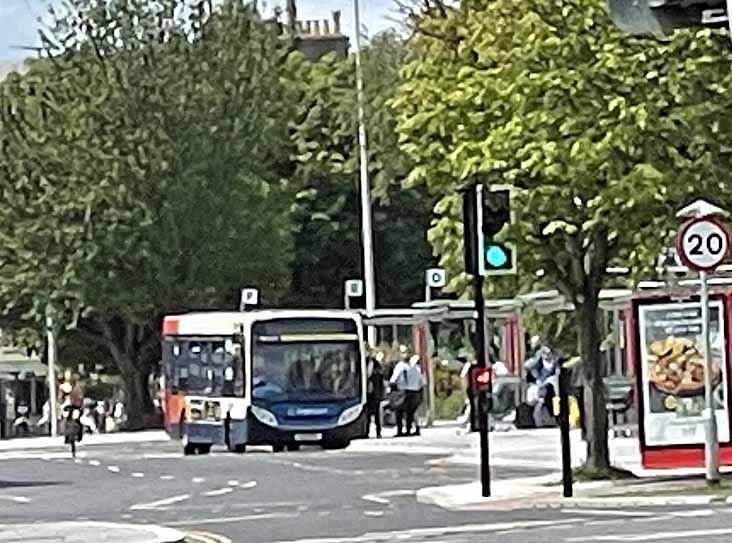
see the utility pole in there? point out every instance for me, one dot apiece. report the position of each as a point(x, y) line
point(366, 227)
point(52, 384)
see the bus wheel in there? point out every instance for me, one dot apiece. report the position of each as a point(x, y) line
point(189, 449)
point(292, 447)
point(239, 448)
point(204, 449)
point(278, 447)
point(336, 444)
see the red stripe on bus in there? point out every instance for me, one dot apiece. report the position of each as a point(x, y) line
point(170, 326)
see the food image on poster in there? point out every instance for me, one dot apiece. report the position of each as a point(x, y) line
point(672, 364)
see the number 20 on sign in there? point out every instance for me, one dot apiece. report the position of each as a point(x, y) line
point(703, 243)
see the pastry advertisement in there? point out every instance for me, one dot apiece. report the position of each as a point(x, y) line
point(672, 364)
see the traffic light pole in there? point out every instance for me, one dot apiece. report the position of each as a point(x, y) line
point(485, 471)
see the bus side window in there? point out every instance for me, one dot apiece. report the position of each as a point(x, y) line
point(237, 361)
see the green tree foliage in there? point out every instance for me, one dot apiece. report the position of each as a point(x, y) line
point(328, 243)
point(604, 136)
point(142, 170)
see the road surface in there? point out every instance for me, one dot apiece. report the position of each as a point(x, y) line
point(361, 495)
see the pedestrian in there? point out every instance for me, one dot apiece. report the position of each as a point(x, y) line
point(375, 391)
point(413, 388)
point(543, 367)
point(466, 376)
point(398, 390)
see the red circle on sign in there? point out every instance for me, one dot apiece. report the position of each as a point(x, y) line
point(681, 250)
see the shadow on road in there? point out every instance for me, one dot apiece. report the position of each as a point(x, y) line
point(30, 484)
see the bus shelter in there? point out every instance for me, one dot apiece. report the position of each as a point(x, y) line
point(22, 382)
point(442, 330)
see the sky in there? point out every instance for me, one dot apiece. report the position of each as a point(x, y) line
point(18, 26)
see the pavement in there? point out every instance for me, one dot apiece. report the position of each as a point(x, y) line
point(375, 491)
point(88, 532)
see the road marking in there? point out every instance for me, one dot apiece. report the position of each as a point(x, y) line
point(374, 513)
point(437, 532)
point(162, 456)
point(95, 463)
point(653, 537)
point(113, 469)
point(219, 492)
point(138, 475)
point(250, 484)
point(233, 483)
point(227, 520)
point(653, 519)
point(382, 498)
point(607, 513)
point(204, 537)
point(166, 477)
point(694, 513)
point(160, 503)
point(198, 480)
point(16, 499)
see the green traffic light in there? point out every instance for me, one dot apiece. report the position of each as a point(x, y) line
point(496, 256)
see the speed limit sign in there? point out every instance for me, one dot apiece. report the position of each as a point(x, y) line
point(703, 243)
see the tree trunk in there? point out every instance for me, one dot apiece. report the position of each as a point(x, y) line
point(598, 454)
point(130, 348)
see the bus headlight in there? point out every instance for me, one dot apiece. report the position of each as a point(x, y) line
point(350, 414)
point(264, 416)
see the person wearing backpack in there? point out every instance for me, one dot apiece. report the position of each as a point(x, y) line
point(398, 389)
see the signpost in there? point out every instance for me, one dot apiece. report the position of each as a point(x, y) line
point(434, 278)
point(249, 297)
point(354, 289)
point(703, 244)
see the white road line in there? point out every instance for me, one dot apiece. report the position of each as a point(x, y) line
point(113, 469)
point(250, 484)
point(160, 503)
point(16, 499)
point(374, 513)
point(658, 536)
point(382, 498)
point(444, 531)
point(227, 520)
point(694, 513)
point(219, 492)
point(608, 513)
point(198, 480)
point(138, 475)
point(659, 518)
point(166, 477)
point(233, 483)
point(95, 463)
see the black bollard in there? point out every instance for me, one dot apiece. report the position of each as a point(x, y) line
point(564, 379)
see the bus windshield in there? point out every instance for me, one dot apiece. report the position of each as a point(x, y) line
point(306, 371)
point(204, 367)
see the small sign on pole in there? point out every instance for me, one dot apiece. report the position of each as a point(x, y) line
point(703, 244)
point(434, 278)
point(249, 297)
point(354, 289)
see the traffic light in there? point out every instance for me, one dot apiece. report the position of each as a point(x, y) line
point(483, 388)
point(499, 257)
point(486, 212)
point(664, 16)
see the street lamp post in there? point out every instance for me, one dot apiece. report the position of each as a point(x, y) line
point(51, 349)
point(366, 227)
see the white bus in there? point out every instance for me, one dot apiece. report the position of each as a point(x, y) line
point(278, 378)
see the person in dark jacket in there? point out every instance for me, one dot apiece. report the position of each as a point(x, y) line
point(375, 390)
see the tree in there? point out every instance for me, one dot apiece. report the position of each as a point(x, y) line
point(603, 135)
point(328, 212)
point(143, 170)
